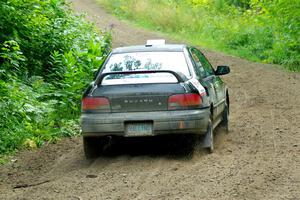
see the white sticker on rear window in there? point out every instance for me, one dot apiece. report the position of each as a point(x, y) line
point(141, 78)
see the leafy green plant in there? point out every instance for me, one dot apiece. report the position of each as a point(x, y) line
point(47, 58)
point(12, 58)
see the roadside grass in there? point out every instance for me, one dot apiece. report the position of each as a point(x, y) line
point(4, 159)
point(264, 32)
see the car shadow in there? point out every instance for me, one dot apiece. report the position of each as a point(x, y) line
point(170, 146)
point(175, 147)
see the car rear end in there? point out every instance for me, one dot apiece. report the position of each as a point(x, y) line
point(144, 93)
point(141, 113)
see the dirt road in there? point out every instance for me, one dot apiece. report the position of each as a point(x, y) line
point(258, 159)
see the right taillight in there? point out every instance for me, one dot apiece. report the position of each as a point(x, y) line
point(184, 101)
point(95, 104)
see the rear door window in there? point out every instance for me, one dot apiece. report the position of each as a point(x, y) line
point(207, 66)
point(199, 69)
point(203, 67)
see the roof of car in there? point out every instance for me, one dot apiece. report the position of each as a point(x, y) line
point(145, 48)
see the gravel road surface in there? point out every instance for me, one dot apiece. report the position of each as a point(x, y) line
point(258, 159)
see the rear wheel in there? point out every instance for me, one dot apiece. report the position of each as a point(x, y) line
point(225, 119)
point(210, 134)
point(92, 147)
point(208, 141)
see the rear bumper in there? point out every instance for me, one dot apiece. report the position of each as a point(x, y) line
point(164, 122)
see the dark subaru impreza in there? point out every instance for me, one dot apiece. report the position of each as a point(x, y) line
point(154, 89)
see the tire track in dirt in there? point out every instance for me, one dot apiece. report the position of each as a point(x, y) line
point(258, 159)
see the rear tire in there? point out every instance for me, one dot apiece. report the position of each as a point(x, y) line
point(225, 119)
point(208, 140)
point(210, 134)
point(92, 147)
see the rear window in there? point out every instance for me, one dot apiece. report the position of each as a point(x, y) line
point(140, 61)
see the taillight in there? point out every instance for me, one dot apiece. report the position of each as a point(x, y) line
point(184, 101)
point(95, 104)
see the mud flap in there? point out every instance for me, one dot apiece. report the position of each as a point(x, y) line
point(207, 139)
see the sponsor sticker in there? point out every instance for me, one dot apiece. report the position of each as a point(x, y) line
point(198, 86)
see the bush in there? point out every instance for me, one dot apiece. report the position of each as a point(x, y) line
point(47, 58)
point(260, 30)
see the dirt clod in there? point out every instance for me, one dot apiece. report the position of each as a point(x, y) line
point(91, 176)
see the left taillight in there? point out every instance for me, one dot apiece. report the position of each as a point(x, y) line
point(100, 104)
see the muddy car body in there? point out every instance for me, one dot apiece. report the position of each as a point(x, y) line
point(154, 89)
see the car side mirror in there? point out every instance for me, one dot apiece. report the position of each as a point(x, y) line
point(222, 70)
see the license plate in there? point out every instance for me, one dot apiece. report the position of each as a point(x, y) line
point(139, 129)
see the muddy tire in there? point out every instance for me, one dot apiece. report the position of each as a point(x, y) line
point(225, 119)
point(210, 134)
point(92, 147)
point(208, 139)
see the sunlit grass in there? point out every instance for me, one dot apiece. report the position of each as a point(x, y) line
point(214, 26)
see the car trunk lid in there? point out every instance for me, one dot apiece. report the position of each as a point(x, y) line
point(135, 98)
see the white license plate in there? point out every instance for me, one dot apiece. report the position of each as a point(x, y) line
point(139, 129)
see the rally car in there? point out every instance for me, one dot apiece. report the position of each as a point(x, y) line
point(154, 89)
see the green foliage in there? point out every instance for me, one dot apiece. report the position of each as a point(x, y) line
point(260, 30)
point(47, 58)
point(12, 57)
